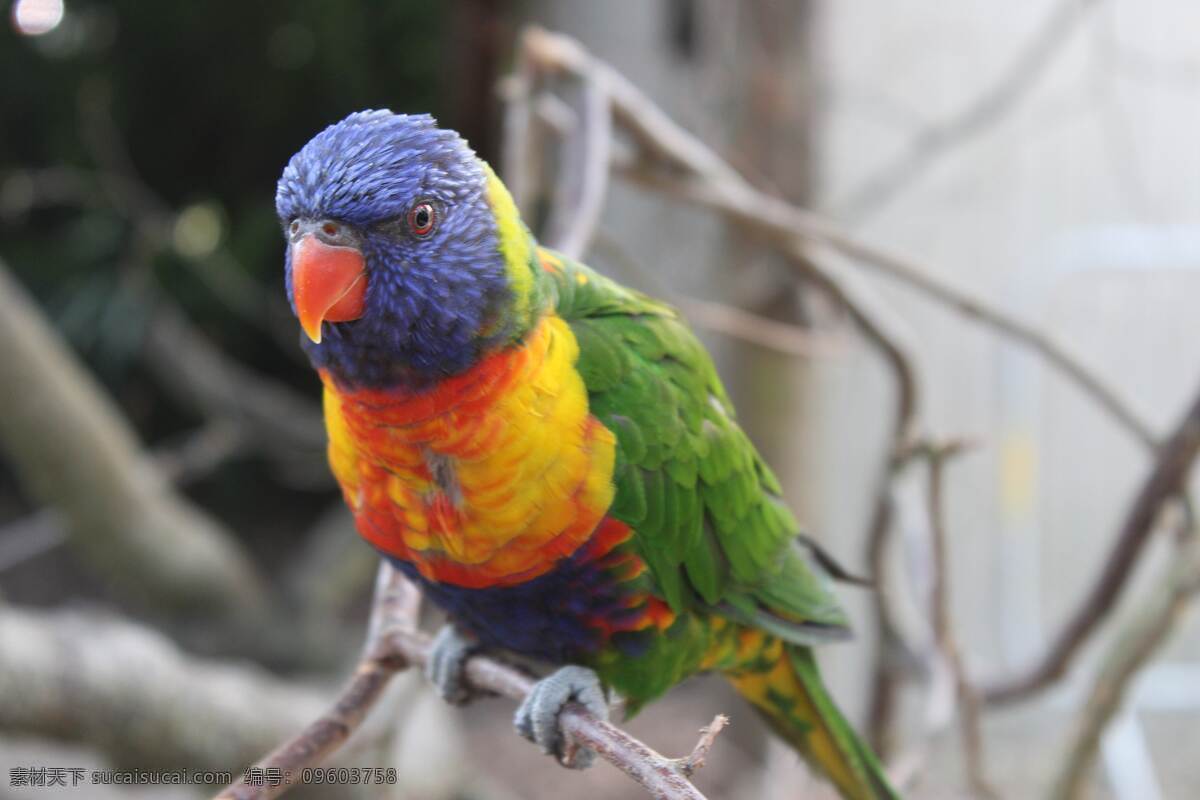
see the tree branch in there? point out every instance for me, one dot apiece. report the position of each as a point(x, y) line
point(943, 628)
point(584, 174)
point(74, 451)
point(737, 323)
point(988, 107)
point(130, 692)
point(277, 419)
point(202, 452)
point(1166, 480)
point(1131, 651)
point(690, 764)
point(783, 222)
point(270, 415)
point(394, 643)
point(672, 161)
point(695, 173)
point(746, 326)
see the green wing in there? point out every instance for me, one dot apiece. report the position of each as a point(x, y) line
point(707, 512)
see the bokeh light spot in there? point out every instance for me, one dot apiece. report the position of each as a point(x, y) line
point(37, 17)
point(197, 231)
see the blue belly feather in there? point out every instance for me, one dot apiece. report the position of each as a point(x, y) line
point(552, 617)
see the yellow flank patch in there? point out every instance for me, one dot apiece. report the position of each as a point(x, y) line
point(778, 691)
point(514, 242)
point(485, 481)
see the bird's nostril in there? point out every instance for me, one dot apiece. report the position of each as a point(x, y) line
point(331, 229)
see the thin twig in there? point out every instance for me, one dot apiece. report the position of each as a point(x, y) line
point(736, 323)
point(153, 221)
point(933, 144)
point(192, 368)
point(45, 529)
point(1166, 481)
point(695, 173)
point(771, 334)
point(396, 606)
point(1131, 651)
point(72, 449)
point(782, 221)
point(584, 174)
point(30, 536)
point(708, 737)
point(394, 643)
point(699, 175)
point(516, 154)
point(943, 627)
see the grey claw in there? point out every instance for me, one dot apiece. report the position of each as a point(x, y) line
point(451, 649)
point(537, 717)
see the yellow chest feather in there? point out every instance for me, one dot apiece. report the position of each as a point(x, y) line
point(488, 478)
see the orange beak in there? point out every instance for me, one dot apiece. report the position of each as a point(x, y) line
point(329, 284)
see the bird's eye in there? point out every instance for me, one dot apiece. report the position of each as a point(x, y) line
point(294, 228)
point(422, 219)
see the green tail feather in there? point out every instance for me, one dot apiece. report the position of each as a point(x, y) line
point(793, 699)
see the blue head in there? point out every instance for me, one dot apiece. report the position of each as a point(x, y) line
point(395, 263)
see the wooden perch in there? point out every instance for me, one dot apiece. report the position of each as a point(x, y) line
point(73, 450)
point(394, 643)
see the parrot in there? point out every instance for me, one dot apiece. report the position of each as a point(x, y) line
point(548, 455)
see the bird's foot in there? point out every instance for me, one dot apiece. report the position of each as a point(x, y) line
point(451, 649)
point(537, 717)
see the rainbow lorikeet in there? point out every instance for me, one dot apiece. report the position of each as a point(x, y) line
point(548, 454)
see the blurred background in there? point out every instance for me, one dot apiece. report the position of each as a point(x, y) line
point(180, 586)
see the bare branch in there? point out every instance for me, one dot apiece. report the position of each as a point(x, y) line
point(1131, 651)
point(74, 451)
point(695, 173)
point(771, 334)
point(516, 156)
point(775, 218)
point(663, 139)
point(30, 536)
point(584, 174)
point(672, 161)
point(153, 221)
point(396, 607)
point(1166, 480)
point(943, 628)
point(131, 692)
point(394, 643)
point(267, 412)
point(732, 321)
point(988, 107)
point(708, 737)
point(44, 530)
